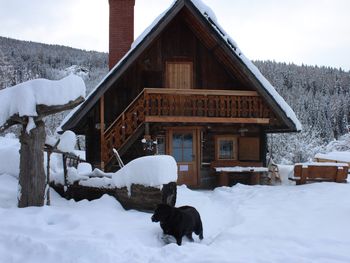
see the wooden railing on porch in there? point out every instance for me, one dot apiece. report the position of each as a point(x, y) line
point(195, 105)
point(173, 105)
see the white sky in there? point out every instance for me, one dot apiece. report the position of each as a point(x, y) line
point(313, 32)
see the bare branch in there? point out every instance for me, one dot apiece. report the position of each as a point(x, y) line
point(13, 120)
point(44, 110)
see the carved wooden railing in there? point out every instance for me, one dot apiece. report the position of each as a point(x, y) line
point(120, 131)
point(173, 105)
point(208, 105)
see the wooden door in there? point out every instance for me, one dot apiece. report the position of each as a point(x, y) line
point(179, 75)
point(183, 147)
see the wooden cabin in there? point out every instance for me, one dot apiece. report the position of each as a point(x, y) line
point(183, 88)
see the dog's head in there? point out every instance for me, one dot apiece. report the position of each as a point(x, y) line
point(162, 213)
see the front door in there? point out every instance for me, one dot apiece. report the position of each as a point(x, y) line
point(183, 147)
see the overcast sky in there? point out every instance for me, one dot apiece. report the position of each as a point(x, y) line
point(313, 32)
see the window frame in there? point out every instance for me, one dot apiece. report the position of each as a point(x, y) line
point(233, 139)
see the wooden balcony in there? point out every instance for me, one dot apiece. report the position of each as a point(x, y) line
point(185, 106)
point(204, 106)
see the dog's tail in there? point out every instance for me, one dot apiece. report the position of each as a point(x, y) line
point(199, 229)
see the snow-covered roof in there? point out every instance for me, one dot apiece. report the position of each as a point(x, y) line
point(23, 98)
point(210, 16)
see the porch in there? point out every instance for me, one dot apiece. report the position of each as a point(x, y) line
point(182, 119)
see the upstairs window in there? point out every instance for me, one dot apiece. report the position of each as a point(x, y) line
point(179, 75)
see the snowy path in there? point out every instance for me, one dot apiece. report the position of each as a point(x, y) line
point(307, 223)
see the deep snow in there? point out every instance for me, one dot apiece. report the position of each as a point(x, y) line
point(286, 223)
point(306, 223)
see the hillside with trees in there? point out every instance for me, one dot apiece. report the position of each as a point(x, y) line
point(318, 95)
point(320, 98)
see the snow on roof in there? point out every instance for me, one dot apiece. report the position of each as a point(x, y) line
point(336, 156)
point(208, 13)
point(23, 98)
point(210, 16)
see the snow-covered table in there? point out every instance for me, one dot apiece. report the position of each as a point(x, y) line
point(254, 172)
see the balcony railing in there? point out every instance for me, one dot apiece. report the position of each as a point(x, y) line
point(203, 105)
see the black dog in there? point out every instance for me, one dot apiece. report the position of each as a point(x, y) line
point(178, 222)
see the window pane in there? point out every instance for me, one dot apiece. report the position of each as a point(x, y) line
point(225, 149)
point(187, 155)
point(177, 154)
point(177, 140)
point(188, 140)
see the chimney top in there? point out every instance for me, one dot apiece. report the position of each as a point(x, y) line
point(121, 29)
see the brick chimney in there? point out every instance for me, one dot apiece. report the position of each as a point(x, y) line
point(121, 29)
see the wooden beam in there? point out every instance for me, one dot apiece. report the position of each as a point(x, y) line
point(190, 119)
point(102, 128)
point(201, 92)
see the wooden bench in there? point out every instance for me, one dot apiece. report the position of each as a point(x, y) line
point(320, 172)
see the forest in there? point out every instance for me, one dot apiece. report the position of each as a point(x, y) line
point(319, 95)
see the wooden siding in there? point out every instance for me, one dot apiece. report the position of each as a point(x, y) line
point(249, 149)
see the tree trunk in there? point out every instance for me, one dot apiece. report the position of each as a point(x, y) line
point(32, 177)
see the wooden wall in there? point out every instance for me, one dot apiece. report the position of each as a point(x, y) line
point(249, 143)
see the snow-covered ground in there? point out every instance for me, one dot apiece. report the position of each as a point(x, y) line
point(308, 223)
point(287, 223)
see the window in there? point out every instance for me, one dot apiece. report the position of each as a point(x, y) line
point(226, 148)
point(179, 75)
point(183, 147)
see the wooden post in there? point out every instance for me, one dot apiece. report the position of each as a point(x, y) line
point(255, 178)
point(304, 174)
point(65, 170)
point(102, 130)
point(340, 176)
point(48, 178)
point(32, 179)
point(147, 128)
point(223, 179)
